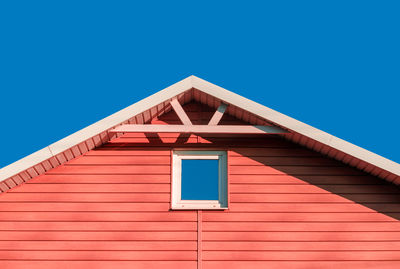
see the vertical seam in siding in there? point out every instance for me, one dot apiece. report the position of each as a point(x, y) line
point(227, 178)
point(199, 238)
point(171, 152)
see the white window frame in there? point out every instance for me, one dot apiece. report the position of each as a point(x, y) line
point(176, 190)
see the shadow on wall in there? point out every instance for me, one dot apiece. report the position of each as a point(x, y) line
point(331, 177)
point(287, 167)
point(281, 167)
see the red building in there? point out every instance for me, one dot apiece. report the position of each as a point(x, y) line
point(284, 194)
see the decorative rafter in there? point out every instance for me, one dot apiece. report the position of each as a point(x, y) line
point(180, 112)
point(188, 127)
point(218, 114)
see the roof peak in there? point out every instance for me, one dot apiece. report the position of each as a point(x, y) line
point(376, 164)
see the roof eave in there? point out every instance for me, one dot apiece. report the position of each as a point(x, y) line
point(296, 126)
point(94, 129)
point(218, 92)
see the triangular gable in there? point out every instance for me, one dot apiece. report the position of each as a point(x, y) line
point(193, 88)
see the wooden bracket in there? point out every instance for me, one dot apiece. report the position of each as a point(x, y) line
point(218, 114)
point(180, 112)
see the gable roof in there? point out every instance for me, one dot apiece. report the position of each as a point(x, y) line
point(195, 88)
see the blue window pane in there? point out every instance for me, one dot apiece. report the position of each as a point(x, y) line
point(199, 180)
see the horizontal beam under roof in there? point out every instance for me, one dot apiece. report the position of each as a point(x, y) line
point(208, 129)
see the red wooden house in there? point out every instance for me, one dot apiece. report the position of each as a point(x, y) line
point(286, 195)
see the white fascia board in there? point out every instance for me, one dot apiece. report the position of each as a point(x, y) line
point(95, 129)
point(25, 163)
point(295, 125)
point(213, 90)
point(365, 155)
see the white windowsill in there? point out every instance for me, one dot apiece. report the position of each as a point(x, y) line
point(197, 205)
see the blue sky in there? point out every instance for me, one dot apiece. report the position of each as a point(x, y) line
point(332, 64)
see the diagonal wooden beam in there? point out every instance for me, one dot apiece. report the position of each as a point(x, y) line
point(218, 114)
point(180, 112)
point(201, 129)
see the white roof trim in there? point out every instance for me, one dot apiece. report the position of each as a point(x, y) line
point(211, 89)
point(94, 129)
point(297, 126)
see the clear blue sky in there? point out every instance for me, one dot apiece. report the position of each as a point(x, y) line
point(332, 64)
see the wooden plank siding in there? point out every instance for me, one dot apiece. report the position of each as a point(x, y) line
point(289, 207)
point(105, 210)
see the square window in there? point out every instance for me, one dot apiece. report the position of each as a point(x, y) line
point(199, 180)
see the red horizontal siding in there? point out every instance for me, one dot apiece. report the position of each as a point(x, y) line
point(302, 246)
point(85, 197)
point(308, 255)
point(84, 207)
point(100, 246)
point(310, 189)
point(98, 216)
point(294, 170)
point(295, 216)
point(82, 225)
point(315, 207)
point(301, 226)
point(84, 264)
point(301, 236)
point(100, 179)
point(283, 160)
point(358, 180)
point(120, 160)
point(82, 187)
point(72, 255)
point(103, 151)
point(310, 264)
point(311, 198)
point(289, 208)
point(111, 169)
point(99, 236)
